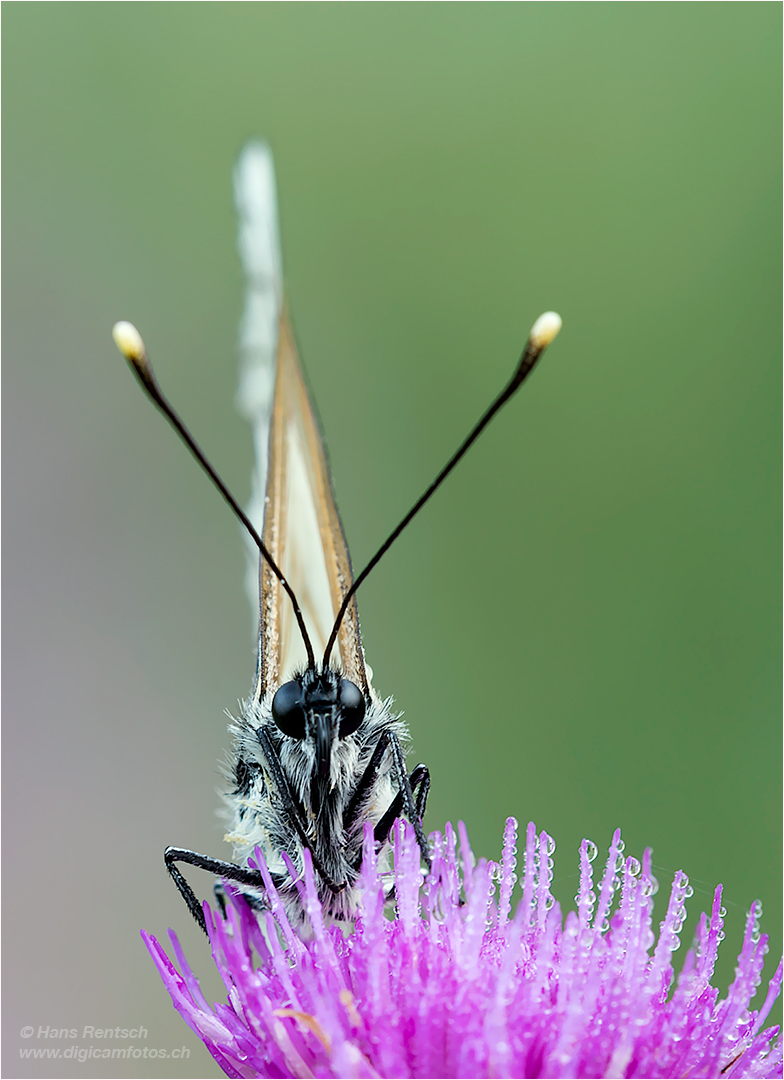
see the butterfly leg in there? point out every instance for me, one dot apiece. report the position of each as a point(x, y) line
point(219, 892)
point(365, 785)
point(241, 874)
point(419, 776)
point(404, 800)
point(293, 808)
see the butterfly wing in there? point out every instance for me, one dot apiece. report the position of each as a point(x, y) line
point(299, 519)
point(259, 247)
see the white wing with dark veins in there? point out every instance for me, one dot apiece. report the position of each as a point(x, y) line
point(292, 503)
point(258, 242)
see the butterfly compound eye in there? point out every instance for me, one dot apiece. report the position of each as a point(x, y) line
point(352, 707)
point(287, 710)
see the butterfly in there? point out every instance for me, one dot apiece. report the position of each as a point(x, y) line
point(317, 753)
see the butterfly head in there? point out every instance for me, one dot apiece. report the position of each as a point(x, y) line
point(319, 707)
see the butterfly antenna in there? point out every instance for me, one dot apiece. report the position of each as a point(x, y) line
point(129, 341)
point(542, 333)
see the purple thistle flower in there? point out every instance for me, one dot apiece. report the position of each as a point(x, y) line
point(455, 986)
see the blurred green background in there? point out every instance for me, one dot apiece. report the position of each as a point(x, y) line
point(582, 628)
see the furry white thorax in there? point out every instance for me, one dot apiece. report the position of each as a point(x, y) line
point(259, 818)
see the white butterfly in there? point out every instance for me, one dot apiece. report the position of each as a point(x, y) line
point(317, 753)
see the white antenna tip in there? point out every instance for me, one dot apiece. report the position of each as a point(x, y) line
point(545, 329)
point(129, 341)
